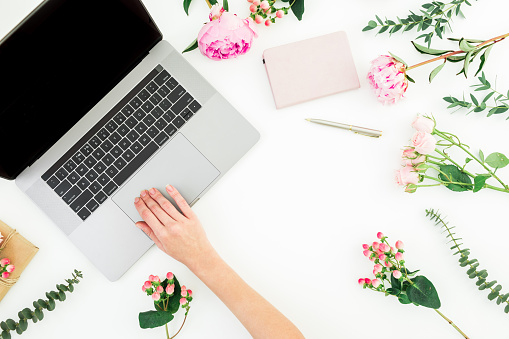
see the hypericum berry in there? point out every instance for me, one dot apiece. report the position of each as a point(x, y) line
point(253, 8)
point(379, 235)
point(258, 19)
point(400, 245)
point(183, 301)
point(169, 276)
point(382, 257)
point(268, 22)
point(375, 245)
point(399, 256)
point(189, 293)
point(365, 246)
point(256, 2)
point(4, 262)
point(396, 274)
point(170, 289)
point(147, 284)
point(265, 5)
point(5, 275)
point(376, 283)
point(249, 0)
point(159, 289)
point(367, 281)
point(156, 296)
point(384, 248)
point(388, 264)
point(377, 268)
point(280, 14)
point(366, 253)
point(362, 281)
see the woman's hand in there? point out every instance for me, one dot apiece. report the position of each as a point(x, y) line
point(179, 235)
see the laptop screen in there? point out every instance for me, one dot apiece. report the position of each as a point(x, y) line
point(57, 64)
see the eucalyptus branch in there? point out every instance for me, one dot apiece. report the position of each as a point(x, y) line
point(473, 264)
point(434, 16)
point(477, 105)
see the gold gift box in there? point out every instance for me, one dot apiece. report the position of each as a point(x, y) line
point(19, 251)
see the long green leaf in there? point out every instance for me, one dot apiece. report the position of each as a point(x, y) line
point(434, 73)
point(186, 6)
point(192, 46)
point(425, 50)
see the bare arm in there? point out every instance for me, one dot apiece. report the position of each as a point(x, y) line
point(181, 236)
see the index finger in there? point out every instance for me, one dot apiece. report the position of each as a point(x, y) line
point(147, 215)
point(181, 202)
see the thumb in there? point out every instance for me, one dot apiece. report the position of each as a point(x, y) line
point(148, 231)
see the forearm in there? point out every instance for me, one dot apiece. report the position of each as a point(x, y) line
point(258, 316)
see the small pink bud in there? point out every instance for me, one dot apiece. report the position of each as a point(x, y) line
point(184, 293)
point(280, 14)
point(361, 281)
point(147, 284)
point(189, 292)
point(256, 2)
point(5, 262)
point(253, 8)
point(393, 250)
point(151, 277)
point(249, 0)
point(265, 5)
point(143, 288)
point(384, 248)
point(375, 245)
point(183, 288)
point(268, 22)
point(388, 264)
point(367, 281)
point(9, 268)
point(366, 253)
point(376, 283)
point(378, 268)
point(156, 296)
point(396, 274)
point(372, 258)
point(156, 278)
point(399, 245)
point(258, 19)
point(365, 246)
point(379, 235)
point(170, 289)
point(183, 301)
point(160, 289)
point(169, 276)
point(5, 275)
point(382, 257)
point(399, 256)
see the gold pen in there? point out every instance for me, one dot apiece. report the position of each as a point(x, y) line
point(356, 129)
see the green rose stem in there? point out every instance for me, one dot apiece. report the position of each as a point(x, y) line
point(494, 40)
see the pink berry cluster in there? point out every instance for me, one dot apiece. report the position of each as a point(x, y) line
point(6, 268)
point(157, 289)
point(187, 297)
point(261, 11)
point(387, 260)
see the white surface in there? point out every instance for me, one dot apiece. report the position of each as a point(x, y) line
point(291, 216)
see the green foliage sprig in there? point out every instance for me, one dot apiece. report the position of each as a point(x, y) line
point(37, 314)
point(434, 16)
point(479, 105)
point(473, 264)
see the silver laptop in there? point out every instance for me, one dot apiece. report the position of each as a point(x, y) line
point(95, 107)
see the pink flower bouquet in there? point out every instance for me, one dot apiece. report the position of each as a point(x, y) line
point(6, 268)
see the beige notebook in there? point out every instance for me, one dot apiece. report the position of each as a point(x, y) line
point(310, 69)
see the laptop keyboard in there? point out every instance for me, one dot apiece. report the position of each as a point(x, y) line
point(142, 122)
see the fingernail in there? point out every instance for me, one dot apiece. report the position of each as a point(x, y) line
point(136, 200)
point(152, 191)
point(143, 193)
point(170, 188)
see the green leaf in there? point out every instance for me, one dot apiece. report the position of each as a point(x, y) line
point(225, 5)
point(410, 79)
point(484, 57)
point(6, 335)
point(466, 64)
point(395, 283)
point(435, 72)
point(450, 99)
point(393, 291)
point(39, 314)
point(11, 324)
point(423, 292)
point(27, 313)
point(403, 298)
point(454, 174)
point(493, 295)
point(506, 309)
point(425, 50)
point(298, 8)
point(465, 46)
point(379, 20)
point(456, 58)
point(192, 46)
point(61, 296)
point(479, 181)
point(399, 59)
point(481, 156)
point(152, 319)
point(497, 160)
point(186, 6)
point(474, 100)
point(498, 110)
point(368, 28)
point(23, 324)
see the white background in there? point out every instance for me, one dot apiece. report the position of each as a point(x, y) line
point(291, 216)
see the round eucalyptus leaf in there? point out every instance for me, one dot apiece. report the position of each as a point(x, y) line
point(497, 160)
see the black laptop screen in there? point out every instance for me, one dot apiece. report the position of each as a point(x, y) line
point(57, 64)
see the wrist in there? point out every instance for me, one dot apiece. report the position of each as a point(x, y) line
point(204, 262)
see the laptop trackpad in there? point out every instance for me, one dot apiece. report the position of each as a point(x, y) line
point(180, 164)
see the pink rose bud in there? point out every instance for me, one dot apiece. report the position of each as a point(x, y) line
point(382, 257)
point(265, 5)
point(258, 19)
point(5, 261)
point(147, 284)
point(388, 79)
point(253, 8)
point(280, 14)
point(361, 281)
point(407, 175)
point(376, 283)
point(9, 268)
point(183, 301)
point(160, 289)
point(156, 296)
point(365, 246)
point(375, 245)
point(396, 274)
point(378, 268)
point(367, 281)
point(268, 22)
point(424, 143)
point(379, 235)
point(366, 253)
point(423, 124)
point(399, 256)
point(5, 275)
point(170, 289)
point(169, 276)
point(189, 292)
point(399, 245)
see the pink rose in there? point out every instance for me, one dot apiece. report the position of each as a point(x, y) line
point(423, 124)
point(9, 268)
point(424, 142)
point(388, 79)
point(411, 158)
point(4, 262)
point(407, 175)
point(215, 12)
point(227, 37)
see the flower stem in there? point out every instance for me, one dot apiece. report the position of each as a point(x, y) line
point(180, 327)
point(452, 324)
point(167, 334)
point(494, 40)
point(208, 3)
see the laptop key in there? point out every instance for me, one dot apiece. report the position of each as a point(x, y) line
point(103, 179)
point(141, 128)
point(86, 150)
point(103, 134)
point(161, 124)
point(161, 138)
point(94, 142)
point(136, 103)
point(98, 154)
point(106, 146)
point(144, 95)
point(108, 159)
point(162, 77)
point(152, 132)
point(63, 187)
point(99, 167)
point(151, 87)
point(61, 174)
point(110, 188)
point(149, 120)
point(91, 175)
point(127, 110)
point(83, 183)
point(165, 105)
point(139, 114)
point(114, 138)
point(131, 122)
point(186, 114)
point(124, 144)
point(116, 151)
point(170, 130)
point(111, 126)
point(132, 136)
point(90, 162)
point(168, 116)
point(163, 91)
point(136, 147)
point(123, 130)
point(84, 214)
point(92, 205)
point(128, 155)
point(71, 195)
point(176, 93)
point(147, 106)
point(120, 163)
point(53, 182)
point(70, 165)
point(179, 106)
point(112, 171)
point(119, 118)
point(144, 140)
point(100, 197)
point(135, 164)
point(78, 158)
point(194, 106)
point(155, 99)
point(73, 178)
point(81, 170)
point(178, 122)
point(95, 187)
point(80, 202)
point(172, 83)
point(157, 112)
